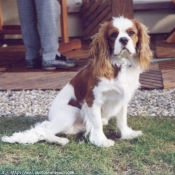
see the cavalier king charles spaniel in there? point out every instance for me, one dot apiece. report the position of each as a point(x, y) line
point(120, 52)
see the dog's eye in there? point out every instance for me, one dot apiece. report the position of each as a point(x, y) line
point(114, 35)
point(130, 33)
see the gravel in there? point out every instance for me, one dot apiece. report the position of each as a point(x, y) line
point(36, 103)
point(153, 103)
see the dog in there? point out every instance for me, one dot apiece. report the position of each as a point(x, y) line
point(100, 91)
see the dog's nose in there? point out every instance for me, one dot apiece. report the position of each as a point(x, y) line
point(123, 40)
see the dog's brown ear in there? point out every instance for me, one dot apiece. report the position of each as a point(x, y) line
point(143, 48)
point(99, 46)
point(100, 51)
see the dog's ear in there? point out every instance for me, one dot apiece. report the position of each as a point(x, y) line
point(143, 48)
point(100, 52)
point(99, 46)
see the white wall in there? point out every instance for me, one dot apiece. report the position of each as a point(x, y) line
point(159, 21)
point(10, 12)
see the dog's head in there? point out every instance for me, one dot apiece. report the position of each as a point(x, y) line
point(122, 38)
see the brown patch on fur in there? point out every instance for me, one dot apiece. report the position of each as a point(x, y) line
point(116, 70)
point(74, 103)
point(112, 35)
point(84, 83)
point(134, 36)
point(143, 49)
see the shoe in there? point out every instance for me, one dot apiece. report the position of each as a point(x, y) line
point(34, 63)
point(64, 58)
point(59, 62)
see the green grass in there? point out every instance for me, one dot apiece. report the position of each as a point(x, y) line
point(152, 153)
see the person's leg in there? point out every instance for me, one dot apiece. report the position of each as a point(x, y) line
point(28, 21)
point(48, 13)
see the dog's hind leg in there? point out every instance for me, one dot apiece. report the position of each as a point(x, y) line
point(66, 120)
point(49, 134)
point(61, 122)
point(51, 138)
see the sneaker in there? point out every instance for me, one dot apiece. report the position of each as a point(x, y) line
point(33, 63)
point(59, 62)
point(64, 58)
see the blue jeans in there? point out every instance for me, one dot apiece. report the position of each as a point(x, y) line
point(39, 25)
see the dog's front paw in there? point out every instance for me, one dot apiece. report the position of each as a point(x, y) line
point(101, 141)
point(131, 134)
point(104, 143)
point(107, 143)
point(104, 121)
point(63, 141)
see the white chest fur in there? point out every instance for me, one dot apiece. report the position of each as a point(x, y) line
point(112, 94)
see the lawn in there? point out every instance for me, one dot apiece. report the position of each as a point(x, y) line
point(152, 153)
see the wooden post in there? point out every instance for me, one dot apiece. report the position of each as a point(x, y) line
point(64, 21)
point(1, 19)
point(122, 8)
point(1, 25)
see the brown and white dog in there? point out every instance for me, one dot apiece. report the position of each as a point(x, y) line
point(100, 91)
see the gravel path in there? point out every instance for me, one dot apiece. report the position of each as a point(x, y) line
point(36, 103)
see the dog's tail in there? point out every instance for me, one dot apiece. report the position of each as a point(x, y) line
point(37, 133)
